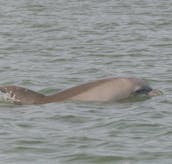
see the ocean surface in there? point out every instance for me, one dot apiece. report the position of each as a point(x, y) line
point(51, 45)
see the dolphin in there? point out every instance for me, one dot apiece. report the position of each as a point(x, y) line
point(103, 90)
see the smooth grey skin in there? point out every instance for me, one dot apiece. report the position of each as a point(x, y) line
point(104, 90)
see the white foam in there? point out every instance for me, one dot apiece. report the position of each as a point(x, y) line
point(6, 97)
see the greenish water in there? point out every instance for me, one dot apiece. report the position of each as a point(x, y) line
point(53, 45)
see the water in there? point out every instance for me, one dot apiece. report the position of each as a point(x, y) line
point(52, 45)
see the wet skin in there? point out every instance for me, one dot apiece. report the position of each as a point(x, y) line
point(104, 90)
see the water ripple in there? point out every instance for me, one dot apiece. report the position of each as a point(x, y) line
point(52, 45)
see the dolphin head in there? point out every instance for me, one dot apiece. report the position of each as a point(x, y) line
point(143, 88)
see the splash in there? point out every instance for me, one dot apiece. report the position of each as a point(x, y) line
point(8, 98)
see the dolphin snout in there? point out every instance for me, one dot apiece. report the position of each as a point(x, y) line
point(155, 92)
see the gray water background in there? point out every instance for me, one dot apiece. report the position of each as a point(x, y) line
point(50, 45)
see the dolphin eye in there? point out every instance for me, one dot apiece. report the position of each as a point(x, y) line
point(143, 90)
